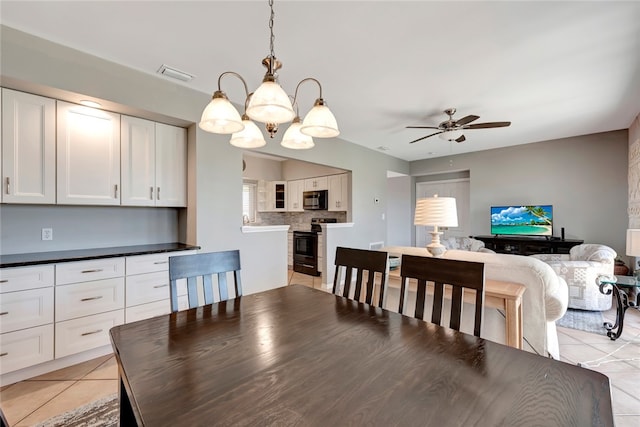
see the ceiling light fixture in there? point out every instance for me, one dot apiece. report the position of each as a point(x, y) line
point(451, 135)
point(271, 105)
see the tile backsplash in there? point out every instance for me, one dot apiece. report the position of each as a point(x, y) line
point(299, 221)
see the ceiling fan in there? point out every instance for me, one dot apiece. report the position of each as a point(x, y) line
point(451, 129)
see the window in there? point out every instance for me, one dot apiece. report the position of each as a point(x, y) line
point(249, 200)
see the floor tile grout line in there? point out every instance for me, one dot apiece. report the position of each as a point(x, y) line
point(53, 397)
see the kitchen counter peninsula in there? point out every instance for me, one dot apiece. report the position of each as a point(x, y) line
point(34, 258)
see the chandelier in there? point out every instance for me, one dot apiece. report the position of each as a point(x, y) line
point(271, 105)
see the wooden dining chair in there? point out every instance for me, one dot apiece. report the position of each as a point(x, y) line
point(458, 274)
point(200, 269)
point(365, 262)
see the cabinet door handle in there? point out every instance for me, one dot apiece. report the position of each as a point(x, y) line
point(97, 331)
point(115, 195)
point(4, 354)
point(4, 280)
point(160, 286)
point(161, 262)
point(151, 193)
point(4, 313)
point(91, 298)
point(158, 193)
point(95, 270)
point(8, 185)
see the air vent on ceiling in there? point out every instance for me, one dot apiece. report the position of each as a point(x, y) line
point(165, 70)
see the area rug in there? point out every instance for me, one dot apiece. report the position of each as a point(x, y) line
point(588, 321)
point(101, 413)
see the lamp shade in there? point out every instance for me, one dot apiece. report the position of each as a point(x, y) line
point(633, 242)
point(438, 211)
point(320, 122)
point(450, 135)
point(220, 116)
point(270, 104)
point(249, 137)
point(295, 139)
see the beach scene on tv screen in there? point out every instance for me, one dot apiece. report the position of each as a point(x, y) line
point(522, 220)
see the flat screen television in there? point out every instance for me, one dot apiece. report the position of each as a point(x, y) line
point(529, 220)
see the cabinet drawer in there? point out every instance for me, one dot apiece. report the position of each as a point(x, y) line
point(77, 335)
point(26, 309)
point(84, 271)
point(23, 278)
point(25, 348)
point(83, 299)
point(145, 288)
point(146, 311)
point(151, 263)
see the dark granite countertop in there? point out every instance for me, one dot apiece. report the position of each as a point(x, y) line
point(22, 260)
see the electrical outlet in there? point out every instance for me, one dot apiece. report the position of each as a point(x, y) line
point(47, 234)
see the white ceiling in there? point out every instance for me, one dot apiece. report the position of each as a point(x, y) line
point(554, 69)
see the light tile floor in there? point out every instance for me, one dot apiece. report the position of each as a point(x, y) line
point(37, 399)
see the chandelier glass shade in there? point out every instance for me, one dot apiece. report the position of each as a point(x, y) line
point(249, 137)
point(271, 105)
point(295, 139)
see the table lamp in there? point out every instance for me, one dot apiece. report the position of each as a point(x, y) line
point(437, 212)
point(633, 245)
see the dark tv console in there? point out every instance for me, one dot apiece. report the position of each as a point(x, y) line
point(523, 245)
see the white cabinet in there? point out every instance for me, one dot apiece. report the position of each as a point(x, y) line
point(154, 163)
point(294, 195)
point(272, 196)
point(26, 316)
point(28, 148)
point(88, 155)
point(316, 184)
point(338, 192)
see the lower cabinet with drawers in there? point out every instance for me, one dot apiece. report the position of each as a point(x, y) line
point(51, 311)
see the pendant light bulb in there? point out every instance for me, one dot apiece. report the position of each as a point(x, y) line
point(270, 104)
point(320, 122)
point(249, 137)
point(220, 116)
point(295, 139)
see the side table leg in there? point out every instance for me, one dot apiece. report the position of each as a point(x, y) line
point(621, 306)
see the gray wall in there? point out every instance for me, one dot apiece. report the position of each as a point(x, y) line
point(584, 178)
point(214, 215)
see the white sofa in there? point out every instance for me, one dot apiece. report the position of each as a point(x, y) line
point(580, 268)
point(465, 244)
point(544, 301)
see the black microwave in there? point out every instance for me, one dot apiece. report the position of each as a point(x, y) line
point(315, 200)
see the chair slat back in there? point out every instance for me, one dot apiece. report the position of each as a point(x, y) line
point(373, 263)
point(457, 274)
point(202, 267)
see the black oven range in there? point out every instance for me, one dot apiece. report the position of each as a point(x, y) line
point(305, 247)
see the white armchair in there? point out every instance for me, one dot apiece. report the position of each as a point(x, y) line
point(465, 244)
point(580, 269)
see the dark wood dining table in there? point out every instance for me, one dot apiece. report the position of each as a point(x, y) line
point(300, 356)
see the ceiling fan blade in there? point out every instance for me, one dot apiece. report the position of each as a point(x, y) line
point(467, 119)
point(424, 137)
point(487, 125)
point(461, 139)
point(422, 127)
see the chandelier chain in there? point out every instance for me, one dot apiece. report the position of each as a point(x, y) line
point(271, 29)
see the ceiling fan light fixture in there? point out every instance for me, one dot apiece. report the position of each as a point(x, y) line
point(220, 116)
point(249, 137)
point(320, 121)
point(450, 135)
point(295, 139)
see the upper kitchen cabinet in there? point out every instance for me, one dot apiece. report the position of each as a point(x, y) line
point(154, 157)
point(294, 195)
point(339, 192)
point(316, 184)
point(171, 165)
point(272, 196)
point(28, 148)
point(88, 149)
